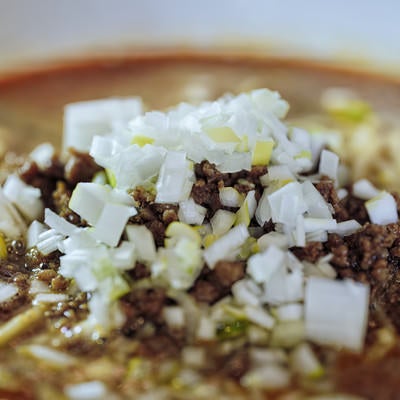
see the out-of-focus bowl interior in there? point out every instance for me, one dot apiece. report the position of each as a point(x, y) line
point(356, 33)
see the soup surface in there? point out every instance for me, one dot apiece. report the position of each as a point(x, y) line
point(31, 109)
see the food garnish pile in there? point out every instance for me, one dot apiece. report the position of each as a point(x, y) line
point(208, 250)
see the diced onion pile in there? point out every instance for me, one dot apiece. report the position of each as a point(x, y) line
point(158, 150)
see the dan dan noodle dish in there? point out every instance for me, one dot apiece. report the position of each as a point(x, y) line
point(210, 250)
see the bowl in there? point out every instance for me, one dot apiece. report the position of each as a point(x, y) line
point(362, 35)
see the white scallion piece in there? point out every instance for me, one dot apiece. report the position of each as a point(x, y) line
point(287, 203)
point(319, 224)
point(280, 173)
point(7, 291)
point(49, 241)
point(174, 179)
point(290, 312)
point(224, 247)
point(304, 361)
point(263, 210)
point(124, 256)
point(111, 223)
point(174, 316)
point(268, 377)
point(93, 390)
point(49, 356)
point(194, 356)
point(33, 232)
point(364, 189)
point(259, 316)
point(206, 328)
point(11, 223)
point(84, 120)
point(316, 204)
point(42, 155)
point(342, 193)
point(230, 197)
point(284, 287)
point(247, 292)
point(59, 224)
point(382, 209)
point(49, 298)
point(222, 221)
point(336, 312)
point(191, 213)
point(329, 164)
point(346, 228)
point(88, 200)
point(25, 197)
point(262, 266)
point(143, 239)
point(273, 239)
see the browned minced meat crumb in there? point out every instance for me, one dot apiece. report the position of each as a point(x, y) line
point(69, 312)
point(61, 197)
point(142, 305)
point(156, 217)
point(348, 208)
point(17, 275)
point(80, 167)
point(213, 285)
point(46, 275)
point(159, 346)
point(142, 196)
point(312, 252)
point(46, 181)
point(209, 180)
point(80, 346)
point(35, 260)
point(140, 271)
point(59, 283)
point(235, 365)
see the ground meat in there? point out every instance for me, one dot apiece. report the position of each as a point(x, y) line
point(205, 191)
point(16, 275)
point(139, 272)
point(206, 292)
point(61, 197)
point(312, 252)
point(9, 270)
point(159, 346)
point(142, 305)
point(352, 208)
point(142, 196)
point(207, 195)
point(213, 285)
point(156, 217)
point(78, 346)
point(236, 364)
point(226, 273)
point(80, 167)
point(46, 275)
point(69, 312)
point(59, 283)
point(46, 181)
point(11, 307)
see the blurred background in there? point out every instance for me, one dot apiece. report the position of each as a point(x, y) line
point(365, 33)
